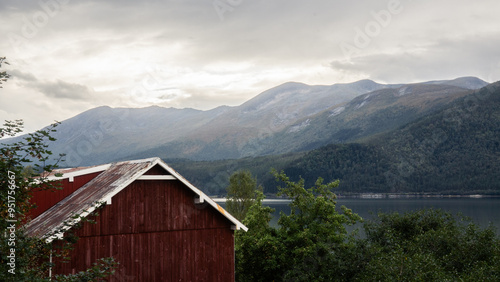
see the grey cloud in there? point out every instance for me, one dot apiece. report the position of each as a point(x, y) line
point(111, 43)
point(24, 76)
point(61, 89)
point(18, 5)
point(57, 89)
point(264, 30)
point(445, 58)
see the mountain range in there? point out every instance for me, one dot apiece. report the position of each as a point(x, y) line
point(291, 126)
point(454, 149)
point(288, 118)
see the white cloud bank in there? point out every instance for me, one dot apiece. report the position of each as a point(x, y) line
point(70, 56)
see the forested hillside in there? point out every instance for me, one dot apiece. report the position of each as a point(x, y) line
point(454, 150)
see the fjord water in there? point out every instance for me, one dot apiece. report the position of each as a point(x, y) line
point(482, 211)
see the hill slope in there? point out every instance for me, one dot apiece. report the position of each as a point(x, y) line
point(107, 134)
point(456, 149)
point(242, 131)
point(453, 150)
point(365, 115)
point(291, 117)
point(301, 118)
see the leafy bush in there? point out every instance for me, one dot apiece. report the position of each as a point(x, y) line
point(312, 244)
point(430, 245)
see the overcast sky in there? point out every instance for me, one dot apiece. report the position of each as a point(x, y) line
point(70, 56)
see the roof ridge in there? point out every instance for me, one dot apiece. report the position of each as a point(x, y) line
point(114, 178)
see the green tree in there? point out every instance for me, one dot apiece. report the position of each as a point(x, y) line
point(241, 193)
point(27, 258)
point(257, 250)
point(314, 234)
point(20, 254)
point(308, 245)
point(24, 167)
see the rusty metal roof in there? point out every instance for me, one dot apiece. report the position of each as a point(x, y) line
point(115, 177)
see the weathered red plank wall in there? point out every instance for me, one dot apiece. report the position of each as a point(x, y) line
point(157, 233)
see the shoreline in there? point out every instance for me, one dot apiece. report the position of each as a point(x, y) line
point(402, 196)
point(382, 196)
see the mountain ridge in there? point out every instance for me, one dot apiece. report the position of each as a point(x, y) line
point(453, 150)
point(256, 127)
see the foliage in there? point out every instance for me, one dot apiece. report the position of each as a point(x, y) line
point(423, 245)
point(257, 250)
point(314, 232)
point(360, 167)
point(26, 258)
point(430, 245)
point(312, 243)
point(16, 184)
point(306, 244)
point(241, 193)
point(3, 74)
point(14, 179)
point(30, 254)
point(100, 270)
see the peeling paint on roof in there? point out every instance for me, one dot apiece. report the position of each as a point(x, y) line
point(115, 177)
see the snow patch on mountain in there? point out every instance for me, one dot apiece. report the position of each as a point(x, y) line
point(404, 91)
point(299, 127)
point(336, 111)
point(360, 105)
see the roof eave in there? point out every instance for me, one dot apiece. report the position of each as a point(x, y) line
point(58, 231)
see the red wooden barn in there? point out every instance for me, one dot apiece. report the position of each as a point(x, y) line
point(157, 225)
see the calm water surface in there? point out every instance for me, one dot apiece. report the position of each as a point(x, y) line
point(483, 211)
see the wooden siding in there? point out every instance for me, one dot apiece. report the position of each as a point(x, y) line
point(157, 233)
point(45, 199)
